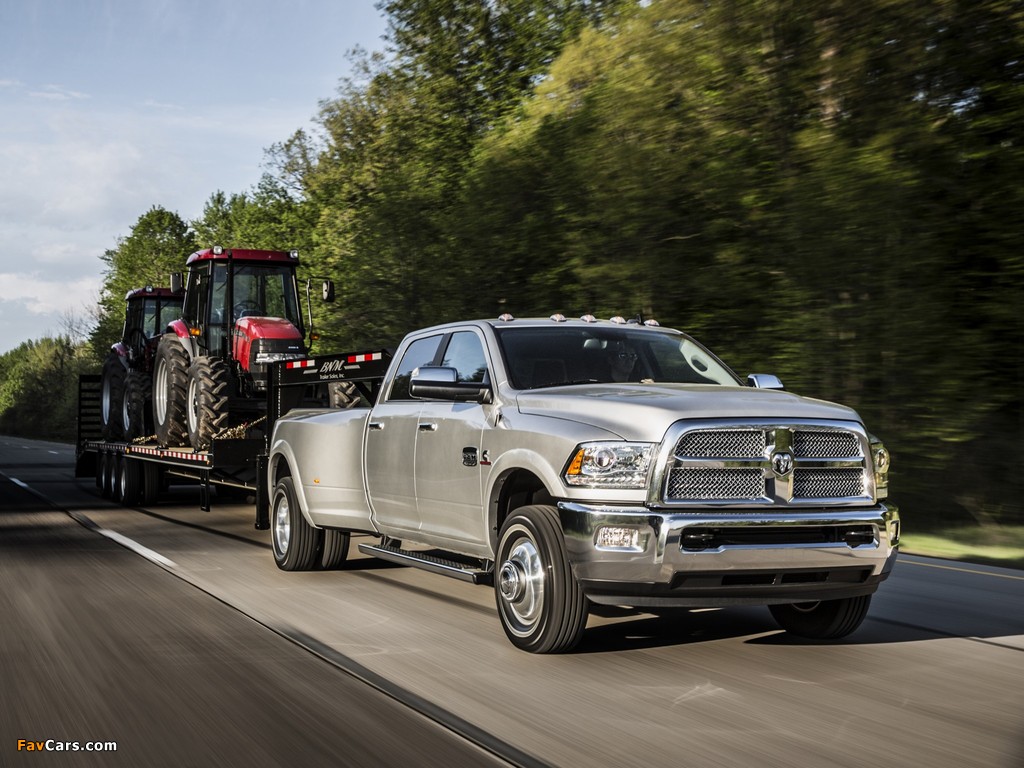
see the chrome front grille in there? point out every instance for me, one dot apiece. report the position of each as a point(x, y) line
point(709, 484)
point(755, 464)
point(827, 483)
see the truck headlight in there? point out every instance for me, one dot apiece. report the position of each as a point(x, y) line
point(881, 461)
point(609, 465)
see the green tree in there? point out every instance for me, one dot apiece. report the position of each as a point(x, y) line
point(159, 243)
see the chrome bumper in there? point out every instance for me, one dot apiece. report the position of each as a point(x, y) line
point(711, 558)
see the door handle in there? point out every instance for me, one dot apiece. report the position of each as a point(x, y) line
point(376, 426)
point(427, 426)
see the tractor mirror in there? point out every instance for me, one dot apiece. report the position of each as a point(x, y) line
point(328, 290)
point(176, 286)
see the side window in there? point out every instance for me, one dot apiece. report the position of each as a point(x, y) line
point(420, 352)
point(465, 354)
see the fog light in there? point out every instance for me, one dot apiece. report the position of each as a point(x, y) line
point(614, 537)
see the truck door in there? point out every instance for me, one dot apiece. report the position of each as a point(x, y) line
point(449, 451)
point(391, 444)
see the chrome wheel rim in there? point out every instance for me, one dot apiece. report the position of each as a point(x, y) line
point(282, 525)
point(521, 586)
point(193, 405)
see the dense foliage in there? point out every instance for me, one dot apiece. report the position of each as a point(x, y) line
point(828, 191)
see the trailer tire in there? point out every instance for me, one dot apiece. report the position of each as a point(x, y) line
point(111, 397)
point(104, 476)
point(297, 545)
point(207, 400)
point(114, 476)
point(334, 551)
point(151, 483)
point(170, 385)
point(823, 620)
point(131, 481)
point(541, 605)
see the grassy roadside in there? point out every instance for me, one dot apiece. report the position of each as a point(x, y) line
point(990, 545)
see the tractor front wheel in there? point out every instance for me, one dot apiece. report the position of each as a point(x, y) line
point(209, 383)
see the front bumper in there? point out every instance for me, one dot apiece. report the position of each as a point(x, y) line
point(708, 558)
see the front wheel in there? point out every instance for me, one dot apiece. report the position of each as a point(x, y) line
point(541, 605)
point(822, 620)
point(207, 401)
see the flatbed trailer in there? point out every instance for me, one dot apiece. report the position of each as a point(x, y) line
point(138, 472)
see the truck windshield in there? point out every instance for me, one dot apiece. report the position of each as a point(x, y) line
point(553, 356)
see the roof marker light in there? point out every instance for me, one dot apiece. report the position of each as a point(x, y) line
point(293, 254)
point(505, 317)
point(652, 323)
point(218, 250)
point(619, 320)
point(557, 317)
point(588, 319)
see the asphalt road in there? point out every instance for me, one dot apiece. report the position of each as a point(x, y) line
point(170, 632)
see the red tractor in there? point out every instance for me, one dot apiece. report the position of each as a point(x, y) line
point(128, 368)
point(241, 312)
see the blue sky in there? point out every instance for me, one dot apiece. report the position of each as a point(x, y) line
point(109, 107)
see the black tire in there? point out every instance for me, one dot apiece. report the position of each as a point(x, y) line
point(111, 397)
point(207, 401)
point(104, 476)
point(137, 409)
point(297, 545)
point(541, 605)
point(151, 483)
point(334, 550)
point(343, 394)
point(114, 477)
point(824, 620)
point(130, 478)
point(170, 385)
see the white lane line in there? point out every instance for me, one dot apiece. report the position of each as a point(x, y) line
point(137, 548)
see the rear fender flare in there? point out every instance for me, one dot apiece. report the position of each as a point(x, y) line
point(282, 461)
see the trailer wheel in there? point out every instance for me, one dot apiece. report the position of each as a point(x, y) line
point(540, 603)
point(111, 396)
point(131, 481)
point(823, 620)
point(170, 384)
point(334, 552)
point(114, 476)
point(207, 400)
point(297, 545)
point(103, 478)
point(151, 483)
point(135, 411)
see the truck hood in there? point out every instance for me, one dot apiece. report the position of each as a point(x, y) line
point(645, 411)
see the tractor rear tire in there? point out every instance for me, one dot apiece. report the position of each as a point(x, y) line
point(111, 396)
point(170, 386)
point(209, 384)
point(137, 410)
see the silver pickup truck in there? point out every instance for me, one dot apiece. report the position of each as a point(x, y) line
point(576, 462)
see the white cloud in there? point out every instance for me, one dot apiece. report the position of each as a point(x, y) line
point(29, 292)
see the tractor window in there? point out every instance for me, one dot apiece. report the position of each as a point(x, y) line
point(266, 291)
